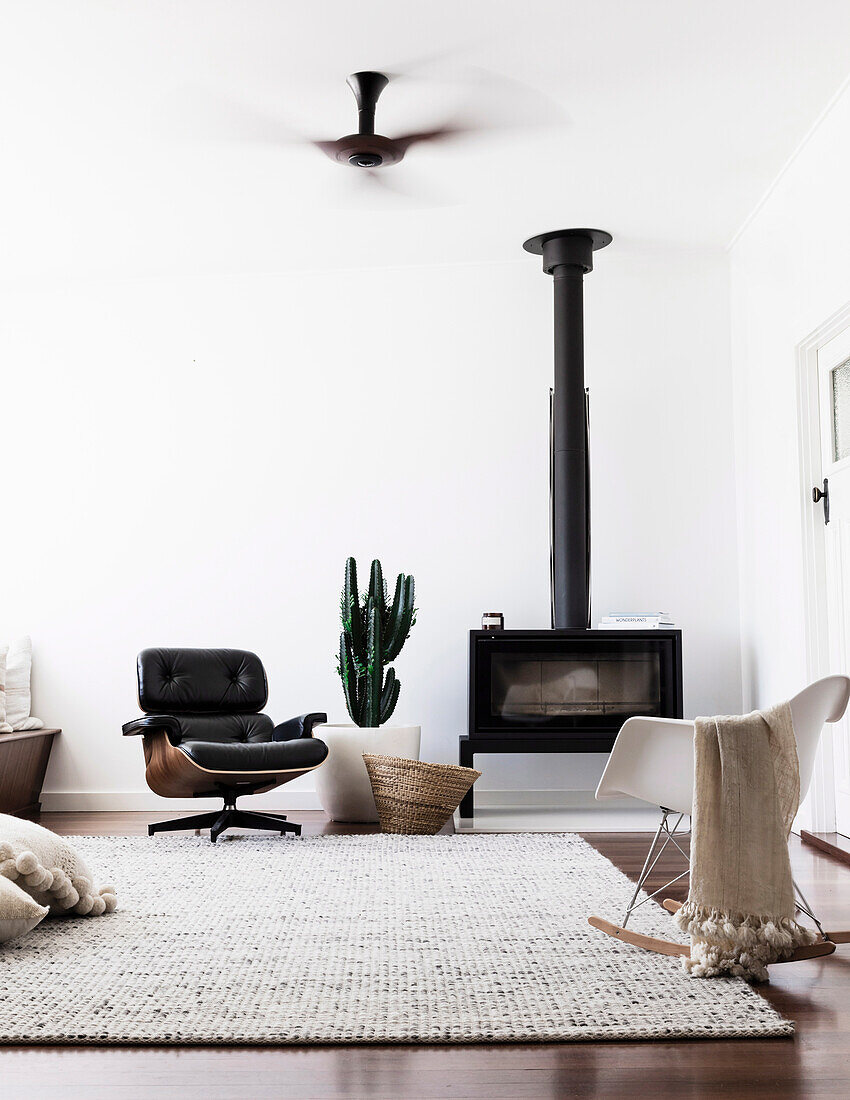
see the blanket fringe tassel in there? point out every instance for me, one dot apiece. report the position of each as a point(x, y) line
point(740, 944)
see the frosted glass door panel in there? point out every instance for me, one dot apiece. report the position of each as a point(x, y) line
point(841, 411)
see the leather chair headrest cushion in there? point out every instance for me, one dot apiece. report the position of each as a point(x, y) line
point(201, 681)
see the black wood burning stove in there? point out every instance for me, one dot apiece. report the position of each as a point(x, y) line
point(568, 689)
point(572, 684)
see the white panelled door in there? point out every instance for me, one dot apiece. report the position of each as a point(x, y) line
point(834, 389)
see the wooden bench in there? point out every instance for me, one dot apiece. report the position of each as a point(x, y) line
point(23, 762)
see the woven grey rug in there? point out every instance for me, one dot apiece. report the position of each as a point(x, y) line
point(358, 939)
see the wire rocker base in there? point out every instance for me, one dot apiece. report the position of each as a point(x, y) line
point(669, 947)
point(825, 946)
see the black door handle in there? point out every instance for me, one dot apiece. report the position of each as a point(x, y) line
point(822, 494)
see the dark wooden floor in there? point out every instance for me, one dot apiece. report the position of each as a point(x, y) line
point(813, 1065)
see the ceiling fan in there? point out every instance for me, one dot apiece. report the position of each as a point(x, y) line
point(366, 149)
point(489, 103)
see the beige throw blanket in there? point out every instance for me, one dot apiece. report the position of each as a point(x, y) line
point(740, 911)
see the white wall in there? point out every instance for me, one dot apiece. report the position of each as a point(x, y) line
point(790, 273)
point(190, 461)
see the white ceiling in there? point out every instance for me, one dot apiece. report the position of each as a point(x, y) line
point(156, 135)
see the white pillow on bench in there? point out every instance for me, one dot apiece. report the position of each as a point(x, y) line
point(18, 697)
point(4, 725)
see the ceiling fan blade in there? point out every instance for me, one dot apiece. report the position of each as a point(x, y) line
point(411, 68)
point(499, 104)
point(362, 189)
point(390, 183)
point(380, 190)
point(442, 133)
point(378, 180)
point(503, 103)
point(327, 147)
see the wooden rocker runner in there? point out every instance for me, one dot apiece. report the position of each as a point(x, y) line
point(653, 760)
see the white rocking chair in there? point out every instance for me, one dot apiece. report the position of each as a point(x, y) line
point(653, 760)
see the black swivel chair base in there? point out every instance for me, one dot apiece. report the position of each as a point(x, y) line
point(229, 817)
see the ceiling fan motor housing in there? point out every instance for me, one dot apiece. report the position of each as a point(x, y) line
point(366, 151)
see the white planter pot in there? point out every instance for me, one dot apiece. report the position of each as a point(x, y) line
point(342, 782)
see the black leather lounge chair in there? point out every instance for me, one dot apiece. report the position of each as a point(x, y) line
point(204, 736)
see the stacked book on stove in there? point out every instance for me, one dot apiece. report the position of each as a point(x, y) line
point(640, 620)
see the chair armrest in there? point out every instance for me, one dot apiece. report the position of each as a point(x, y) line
point(150, 723)
point(302, 726)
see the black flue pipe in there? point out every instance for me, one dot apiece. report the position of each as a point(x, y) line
point(568, 257)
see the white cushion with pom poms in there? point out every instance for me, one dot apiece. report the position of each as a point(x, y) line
point(48, 868)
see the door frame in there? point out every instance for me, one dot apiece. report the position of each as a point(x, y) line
point(814, 551)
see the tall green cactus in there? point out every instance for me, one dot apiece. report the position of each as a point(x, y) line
point(373, 632)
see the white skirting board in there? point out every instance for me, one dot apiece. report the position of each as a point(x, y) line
point(573, 812)
point(498, 810)
point(70, 801)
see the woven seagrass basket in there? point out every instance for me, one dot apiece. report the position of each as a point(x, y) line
point(413, 797)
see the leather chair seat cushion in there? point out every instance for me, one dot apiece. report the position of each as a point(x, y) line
point(256, 756)
point(223, 727)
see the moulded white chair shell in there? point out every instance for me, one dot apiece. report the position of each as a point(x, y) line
point(653, 758)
